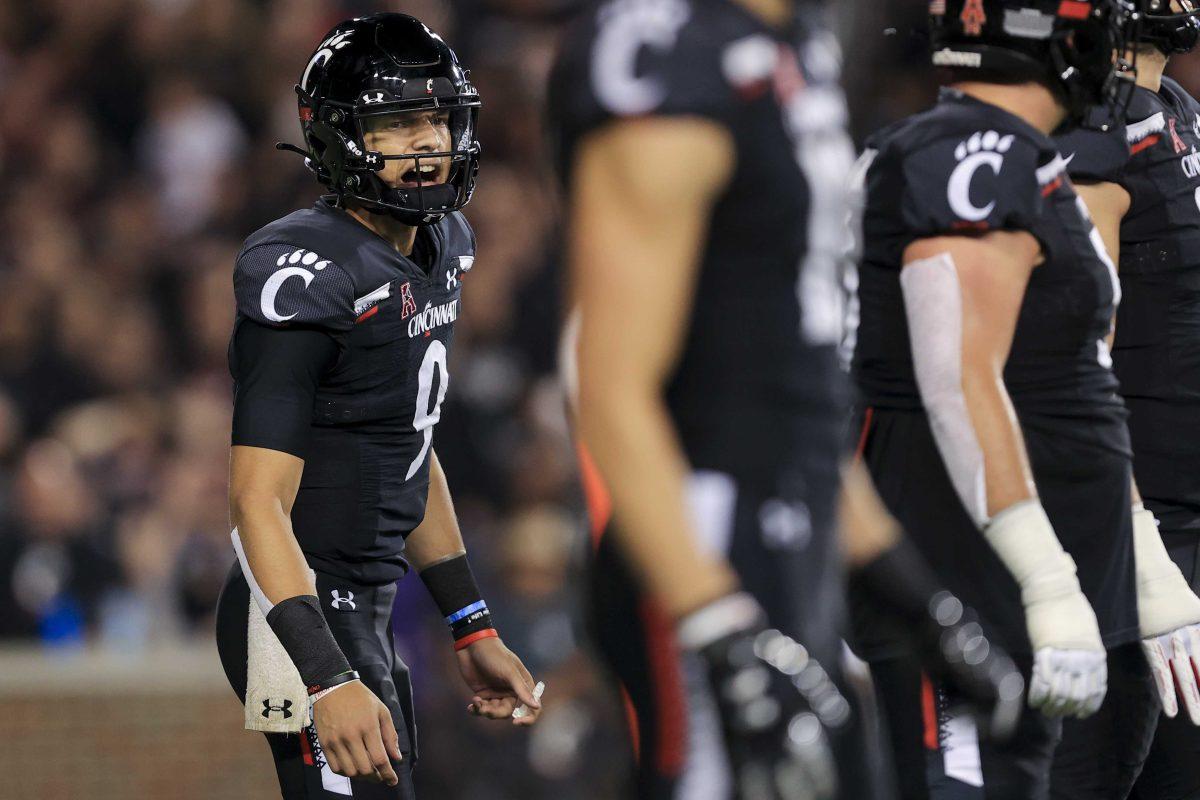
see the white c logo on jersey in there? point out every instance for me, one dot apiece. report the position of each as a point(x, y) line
point(272, 286)
point(625, 28)
point(959, 190)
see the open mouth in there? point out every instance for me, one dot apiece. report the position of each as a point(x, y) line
point(421, 175)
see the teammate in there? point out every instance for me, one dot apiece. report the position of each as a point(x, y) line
point(345, 316)
point(992, 425)
point(1141, 181)
point(703, 147)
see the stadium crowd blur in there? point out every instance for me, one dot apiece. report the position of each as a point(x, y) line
point(136, 152)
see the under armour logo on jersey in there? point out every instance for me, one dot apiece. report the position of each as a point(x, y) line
point(372, 98)
point(285, 709)
point(408, 306)
point(451, 278)
point(338, 601)
point(293, 266)
point(981, 150)
point(973, 17)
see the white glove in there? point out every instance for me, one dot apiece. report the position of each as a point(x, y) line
point(1070, 666)
point(1168, 615)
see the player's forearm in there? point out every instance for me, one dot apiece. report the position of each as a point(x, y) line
point(630, 436)
point(271, 550)
point(866, 528)
point(438, 537)
point(1007, 474)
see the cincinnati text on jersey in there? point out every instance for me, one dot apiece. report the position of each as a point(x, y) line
point(432, 317)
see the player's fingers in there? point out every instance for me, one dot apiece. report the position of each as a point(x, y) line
point(1039, 685)
point(1163, 679)
point(522, 686)
point(387, 731)
point(1185, 677)
point(379, 759)
point(1097, 682)
point(359, 760)
point(496, 708)
point(333, 757)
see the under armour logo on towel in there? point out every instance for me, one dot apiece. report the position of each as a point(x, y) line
point(285, 708)
point(338, 601)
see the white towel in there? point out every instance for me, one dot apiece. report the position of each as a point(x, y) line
point(276, 697)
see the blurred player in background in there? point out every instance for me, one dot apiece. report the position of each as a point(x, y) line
point(704, 151)
point(1141, 181)
point(345, 317)
point(992, 423)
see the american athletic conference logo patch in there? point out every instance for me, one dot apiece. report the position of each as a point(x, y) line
point(973, 17)
point(408, 306)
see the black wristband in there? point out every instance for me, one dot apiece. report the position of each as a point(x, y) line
point(899, 581)
point(453, 588)
point(336, 680)
point(304, 634)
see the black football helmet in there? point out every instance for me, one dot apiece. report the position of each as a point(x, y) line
point(372, 67)
point(1065, 44)
point(1172, 32)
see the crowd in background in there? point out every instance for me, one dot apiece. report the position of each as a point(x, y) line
point(136, 152)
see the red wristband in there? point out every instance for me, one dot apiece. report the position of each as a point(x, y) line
point(467, 641)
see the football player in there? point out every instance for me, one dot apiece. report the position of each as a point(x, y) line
point(704, 151)
point(345, 315)
point(991, 422)
point(1141, 181)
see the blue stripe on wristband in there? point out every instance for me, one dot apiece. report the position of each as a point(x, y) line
point(466, 612)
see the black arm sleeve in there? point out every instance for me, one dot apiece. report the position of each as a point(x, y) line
point(276, 372)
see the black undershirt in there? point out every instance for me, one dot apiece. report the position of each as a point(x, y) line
point(276, 372)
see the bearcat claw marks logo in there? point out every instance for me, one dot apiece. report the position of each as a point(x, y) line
point(292, 265)
point(973, 18)
point(982, 149)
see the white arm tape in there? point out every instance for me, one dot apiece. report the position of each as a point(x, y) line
point(1165, 600)
point(933, 305)
point(1023, 538)
point(255, 591)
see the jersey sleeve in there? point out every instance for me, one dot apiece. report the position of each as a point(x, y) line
point(284, 285)
point(1093, 155)
point(632, 60)
point(984, 181)
point(276, 372)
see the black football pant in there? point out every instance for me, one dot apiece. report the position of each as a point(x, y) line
point(1172, 770)
point(1100, 757)
point(359, 617)
point(941, 756)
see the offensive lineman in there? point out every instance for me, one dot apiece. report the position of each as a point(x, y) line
point(345, 317)
point(992, 424)
point(702, 144)
point(1141, 182)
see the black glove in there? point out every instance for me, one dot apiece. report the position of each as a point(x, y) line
point(776, 703)
point(947, 638)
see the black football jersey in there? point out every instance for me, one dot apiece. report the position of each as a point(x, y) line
point(367, 455)
point(757, 393)
point(966, 168)
point(1157, 347)
point(963, 168)
point(759, 374)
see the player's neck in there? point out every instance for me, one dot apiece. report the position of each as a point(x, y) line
point(397, 234)
point(1032, 102)
point(776, 13)
point(1151, 63)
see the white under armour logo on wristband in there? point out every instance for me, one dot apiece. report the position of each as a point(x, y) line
point(338, 600)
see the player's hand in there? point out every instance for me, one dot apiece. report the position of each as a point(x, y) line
point(500, 682)
point(776, 703)
point(955, 649)
point(356, 732)
point(1168, 613)
point(1070, 665)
